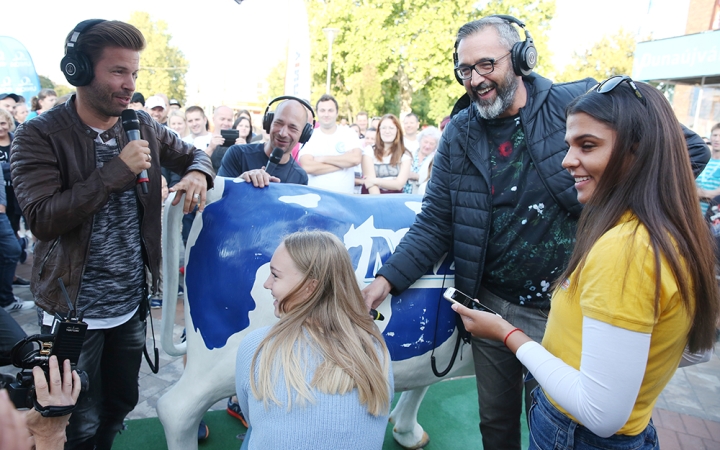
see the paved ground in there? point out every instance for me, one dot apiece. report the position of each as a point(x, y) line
point(687, 415)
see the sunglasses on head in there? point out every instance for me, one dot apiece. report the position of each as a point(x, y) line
point(613, 82)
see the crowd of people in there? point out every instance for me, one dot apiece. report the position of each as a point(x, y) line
point(370, 157)
point(577, 195)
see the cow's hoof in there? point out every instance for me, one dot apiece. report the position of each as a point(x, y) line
point(405, 441)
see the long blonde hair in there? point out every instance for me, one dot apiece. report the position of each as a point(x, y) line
point(333, 322)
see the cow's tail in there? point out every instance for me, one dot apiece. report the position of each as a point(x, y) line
point(171, 235)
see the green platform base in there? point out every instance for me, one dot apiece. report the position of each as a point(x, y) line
point(448, 414)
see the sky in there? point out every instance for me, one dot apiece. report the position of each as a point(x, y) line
point(231, 48)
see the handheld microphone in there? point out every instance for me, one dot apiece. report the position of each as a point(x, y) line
point(275, 158)
point(376, 315)
point(131, 125)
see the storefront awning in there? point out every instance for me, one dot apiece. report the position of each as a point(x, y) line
point(690, 59)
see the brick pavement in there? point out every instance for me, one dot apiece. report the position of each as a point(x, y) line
point(687, 414)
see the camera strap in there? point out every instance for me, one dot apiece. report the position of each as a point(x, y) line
point(153, 363)
point(52, 411)
point(460, 328)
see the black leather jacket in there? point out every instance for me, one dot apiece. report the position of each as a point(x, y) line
point(60, 189)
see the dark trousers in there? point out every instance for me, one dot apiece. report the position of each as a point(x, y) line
point(112, 360)
point(10, 334)
point(9, 255)
point(500, 375)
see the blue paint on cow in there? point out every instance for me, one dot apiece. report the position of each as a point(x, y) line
point(241, 231)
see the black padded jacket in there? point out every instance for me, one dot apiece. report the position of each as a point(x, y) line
point(457, 207)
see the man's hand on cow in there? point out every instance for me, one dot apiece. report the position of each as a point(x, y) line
point(375, 292)
point(194, 186)
point(259, 178)
point(136, 155)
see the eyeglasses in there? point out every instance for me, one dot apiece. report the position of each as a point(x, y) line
point(483, 67)
point(613, 82)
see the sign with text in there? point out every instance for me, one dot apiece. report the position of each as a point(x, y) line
point(690, 56)
point(17, 71)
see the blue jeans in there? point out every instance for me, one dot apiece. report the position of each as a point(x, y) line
point(112, 360)
point(551, 429)
point(9, 256)
point(500, 375)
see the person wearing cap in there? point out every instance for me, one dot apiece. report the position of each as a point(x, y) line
point(167, 110)
point(156, 107)
point(137, 102)
point(8, 101)
point(174, 105)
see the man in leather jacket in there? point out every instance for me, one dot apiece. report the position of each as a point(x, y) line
point(75, 171)
point(501, 201)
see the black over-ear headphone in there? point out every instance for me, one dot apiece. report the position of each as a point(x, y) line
point(523, 54)
point(75, 65)
point(270, 115)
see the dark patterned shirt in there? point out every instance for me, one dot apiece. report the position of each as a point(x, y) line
point(531, 237)
point(114, 272)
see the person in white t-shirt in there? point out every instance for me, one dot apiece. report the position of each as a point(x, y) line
point(198, 124)
point(411, 125)
point(330, 156)
point(362, 120)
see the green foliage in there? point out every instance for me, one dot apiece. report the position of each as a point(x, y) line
point(46, 83)
point(276, 81)
point(389, 54)
point(62, 89)
point(162, 66)
point(611, 55)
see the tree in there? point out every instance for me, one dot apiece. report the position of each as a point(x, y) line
point(45, 82)
point(275, 85)
point(162, 66)
point(404, 47)
point(60, 89)
point(611, 55)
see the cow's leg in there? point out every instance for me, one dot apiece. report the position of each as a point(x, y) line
point(406, 430)
point(180, 411)
point(183, 406)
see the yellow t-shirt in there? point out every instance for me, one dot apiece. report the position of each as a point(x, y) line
point(617, 286)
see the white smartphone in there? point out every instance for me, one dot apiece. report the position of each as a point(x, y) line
point(454, 296)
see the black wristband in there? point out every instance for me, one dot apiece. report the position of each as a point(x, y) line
point(53, 411)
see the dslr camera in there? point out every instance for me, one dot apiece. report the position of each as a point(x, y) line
point(65, 342)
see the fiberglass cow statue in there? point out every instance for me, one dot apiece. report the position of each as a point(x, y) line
point(227, 260)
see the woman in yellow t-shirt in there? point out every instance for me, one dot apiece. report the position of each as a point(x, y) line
point(639, 293)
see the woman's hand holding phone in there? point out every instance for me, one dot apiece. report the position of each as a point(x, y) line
point(483, 322)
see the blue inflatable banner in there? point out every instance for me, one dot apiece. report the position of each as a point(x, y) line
point(17, 71)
